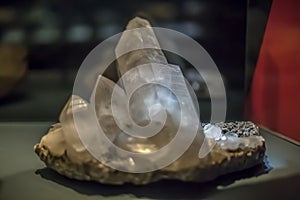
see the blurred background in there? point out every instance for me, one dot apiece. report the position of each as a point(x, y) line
point(43, 43)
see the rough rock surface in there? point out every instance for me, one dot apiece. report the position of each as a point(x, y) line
point(218, 162)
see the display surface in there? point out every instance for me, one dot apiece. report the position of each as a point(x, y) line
point(24, 176)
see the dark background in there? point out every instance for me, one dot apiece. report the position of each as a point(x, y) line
point(58, 35)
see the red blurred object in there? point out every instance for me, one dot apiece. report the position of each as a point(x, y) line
point(274, 99)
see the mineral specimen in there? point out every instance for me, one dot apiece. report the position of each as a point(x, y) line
point(236, 145)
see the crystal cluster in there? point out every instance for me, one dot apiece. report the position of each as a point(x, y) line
point(236, 145)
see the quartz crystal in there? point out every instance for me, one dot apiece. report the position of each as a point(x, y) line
point(236, 145)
